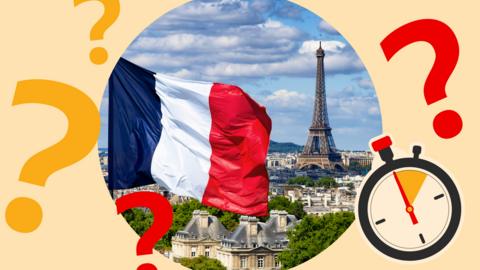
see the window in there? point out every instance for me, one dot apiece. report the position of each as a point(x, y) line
point(207, 251)
point(260, 261)
point(194, 251)
point(276, 261)
point(243, 262)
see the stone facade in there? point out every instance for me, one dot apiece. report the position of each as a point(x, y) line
point(253, 244)
point(201, 237)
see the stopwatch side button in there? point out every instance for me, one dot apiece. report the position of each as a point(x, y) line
point(382, 146)
point(381, 143)
point(416, 151)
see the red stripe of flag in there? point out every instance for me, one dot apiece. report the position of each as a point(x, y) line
point(239, 139)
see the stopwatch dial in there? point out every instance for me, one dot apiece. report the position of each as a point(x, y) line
point(409, 209)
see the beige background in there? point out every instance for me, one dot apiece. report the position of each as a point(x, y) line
point(50, 40)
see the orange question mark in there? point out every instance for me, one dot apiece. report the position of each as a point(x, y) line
point(99, 55)
point(25, 214)
point(161, 210)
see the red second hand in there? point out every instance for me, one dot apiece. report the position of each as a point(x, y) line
point(409, 207)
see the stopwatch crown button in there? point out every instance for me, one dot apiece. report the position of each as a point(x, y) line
point(416, 151)
point(381, 144)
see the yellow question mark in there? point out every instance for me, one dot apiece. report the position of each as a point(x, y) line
point(25, 214)
point(99, 55)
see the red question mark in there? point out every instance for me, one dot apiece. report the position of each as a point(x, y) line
point(161, 210)
point(447, 124)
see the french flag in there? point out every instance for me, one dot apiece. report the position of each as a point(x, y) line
point(203, 140)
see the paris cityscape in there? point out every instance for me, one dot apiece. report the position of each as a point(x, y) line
point(306, 183)
point(309, 188)
point(281, 168)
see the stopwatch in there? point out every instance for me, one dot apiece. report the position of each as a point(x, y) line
point(409, 208)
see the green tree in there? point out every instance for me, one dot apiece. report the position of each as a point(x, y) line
point(140, 220)
point(327, 182)
point(312, 235)
point(279, 203)
point(229, 220)
point(283, 203)
point(202, 263)
point(301, 180)
point(296, 209)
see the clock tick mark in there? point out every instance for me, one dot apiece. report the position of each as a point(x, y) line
point(421, 238)
point(439, 196)
point(380, 221)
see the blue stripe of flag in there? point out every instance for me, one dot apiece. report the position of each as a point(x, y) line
point(134, 127)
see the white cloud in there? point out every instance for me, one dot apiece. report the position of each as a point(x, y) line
point(183, 73)
point(364, 83)
point(353, 107)
point(185, 42)
point(285, 98)
point(348, 131)
point(338, 60)
point(326, 27)
point(329, 46)
point(289, 10)
point(199, 14)
point(216, 16)
point(234, 40)
point(263, 5)
point(273, 24)
point(236, 52)
point(344, 63)
point(160, 61)
point(296, 66)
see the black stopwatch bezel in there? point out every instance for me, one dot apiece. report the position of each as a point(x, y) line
point(387, 168)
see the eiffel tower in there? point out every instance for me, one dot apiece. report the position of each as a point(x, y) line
point(320, 151)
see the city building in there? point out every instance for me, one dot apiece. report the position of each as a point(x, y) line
point(281, 160)
point(202, 236)
point(329, 201)
point(256, 245)
point(319, 200)
point(252, 245)
point(360, 158)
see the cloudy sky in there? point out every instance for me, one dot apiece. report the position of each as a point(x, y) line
point(267, 47)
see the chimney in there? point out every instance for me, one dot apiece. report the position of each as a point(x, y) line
point(281, 216)
point(202, 216)
point(251, 225)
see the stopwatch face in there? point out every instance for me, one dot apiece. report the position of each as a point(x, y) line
point(391, 220)
point(409, 209)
